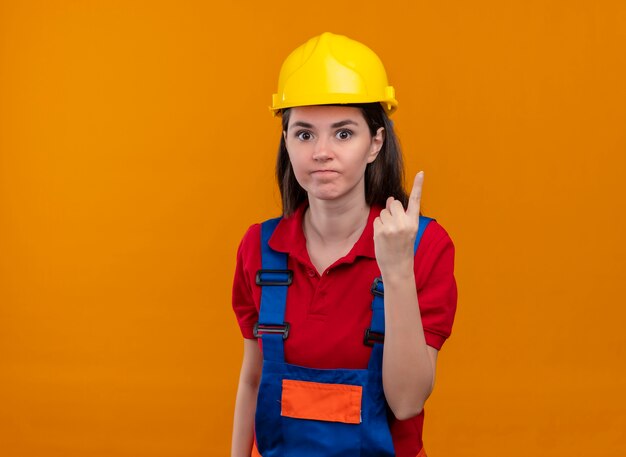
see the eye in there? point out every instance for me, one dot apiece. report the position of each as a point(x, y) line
point(304, 135)
point(344, 134)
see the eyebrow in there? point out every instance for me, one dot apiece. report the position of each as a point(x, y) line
point(342, 123)
point(306, 125)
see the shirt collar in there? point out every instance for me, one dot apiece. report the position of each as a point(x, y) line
point(288, 237)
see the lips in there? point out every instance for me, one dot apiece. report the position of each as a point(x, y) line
point(323, 171)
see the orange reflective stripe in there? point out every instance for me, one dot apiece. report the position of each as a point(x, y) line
point(319, 401)
point(255, 451)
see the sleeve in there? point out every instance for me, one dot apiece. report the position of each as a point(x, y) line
point(243, 301)
point(436, 285)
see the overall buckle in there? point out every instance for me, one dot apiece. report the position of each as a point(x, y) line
point(274, 277)
point(374, 289)
point(262, 329)
point(373, 337)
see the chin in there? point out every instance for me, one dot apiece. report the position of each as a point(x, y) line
point(324, 197)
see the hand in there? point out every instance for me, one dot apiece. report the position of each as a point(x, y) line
point(395, 231)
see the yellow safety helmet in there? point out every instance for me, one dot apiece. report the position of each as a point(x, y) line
point(332, 69)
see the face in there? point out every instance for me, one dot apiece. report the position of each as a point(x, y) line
point(329, 148)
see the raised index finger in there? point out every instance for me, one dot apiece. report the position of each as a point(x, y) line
point(413, 208)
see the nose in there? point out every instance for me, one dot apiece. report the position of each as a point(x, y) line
point(322, 151)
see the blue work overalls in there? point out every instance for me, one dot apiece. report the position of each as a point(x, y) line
point(308, 412)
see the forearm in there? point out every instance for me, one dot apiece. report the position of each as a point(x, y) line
point(245, 406)
point(243, 425)
point(408, 372)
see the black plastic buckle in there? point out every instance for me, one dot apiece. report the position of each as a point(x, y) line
point(261, 329)
point(274, 282)
point(374, 288)
point(373, 337)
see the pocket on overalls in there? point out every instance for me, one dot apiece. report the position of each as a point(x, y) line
point(321, 419)
point(321, 401)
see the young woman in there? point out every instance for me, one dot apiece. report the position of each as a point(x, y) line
point(334, 362)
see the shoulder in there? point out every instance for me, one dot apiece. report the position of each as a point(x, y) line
point(251, 238)
point(249, 251)
point(251, 241)
point(435, 254)
point(435, 237)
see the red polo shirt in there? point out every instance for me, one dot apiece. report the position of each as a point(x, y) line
point(329, 312)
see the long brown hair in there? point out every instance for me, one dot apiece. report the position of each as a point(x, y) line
point(384, 177)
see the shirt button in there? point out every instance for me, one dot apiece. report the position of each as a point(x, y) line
point(311, 273)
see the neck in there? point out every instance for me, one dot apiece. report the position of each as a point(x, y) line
point(333, 222)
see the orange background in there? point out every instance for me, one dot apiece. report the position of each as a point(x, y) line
point(136, 147)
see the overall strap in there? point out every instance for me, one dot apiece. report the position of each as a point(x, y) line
point(375, 335)
point(274, 278)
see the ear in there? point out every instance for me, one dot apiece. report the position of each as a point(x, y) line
point(376, 144)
